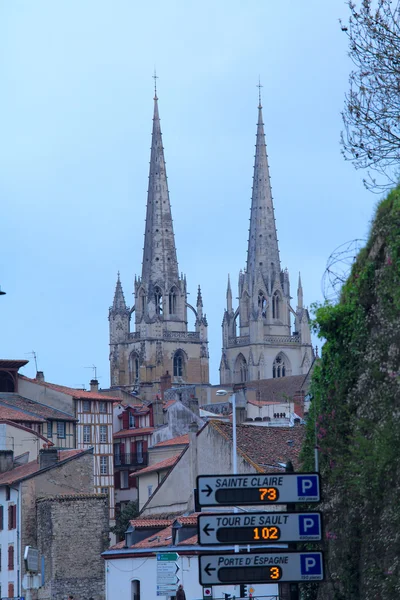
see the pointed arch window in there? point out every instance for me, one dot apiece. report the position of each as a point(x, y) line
point(276, 309)
point(173, 298)
point(134, 368)
point(158, 300)
point(241, 369)
point(246, 308)
point(262, 304)
point(279, 367)
point(179, 364)
point(142, 300)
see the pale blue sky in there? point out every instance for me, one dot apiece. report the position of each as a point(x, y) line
point(75, 130)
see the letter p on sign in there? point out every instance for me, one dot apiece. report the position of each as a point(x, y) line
point(307, 485)
point(310, 564)
point(309, 525)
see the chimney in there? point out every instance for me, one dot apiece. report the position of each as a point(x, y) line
point(158, 412)
point(194, 405)
point(298, 402)
point(94, 385)
point(165, 383)
point(240, 414)
point(6, 460)
point(39, 376)
point(48, 457)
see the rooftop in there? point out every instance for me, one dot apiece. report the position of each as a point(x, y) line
point(26, 406)
point(159, 466)
point(133, 432)
point(182, 439)
point(280, 389)
point(33, 467)
point(75, 393)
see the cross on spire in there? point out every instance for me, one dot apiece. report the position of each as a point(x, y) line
point(259, 93)
point(155, 77)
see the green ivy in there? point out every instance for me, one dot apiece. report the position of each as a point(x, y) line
point(354, 420)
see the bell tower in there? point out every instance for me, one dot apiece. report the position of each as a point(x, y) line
point(161, 340)
point(257, 337)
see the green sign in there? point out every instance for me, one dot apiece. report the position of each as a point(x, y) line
point(168, 556)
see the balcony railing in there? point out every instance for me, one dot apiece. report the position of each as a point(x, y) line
point(131, 460)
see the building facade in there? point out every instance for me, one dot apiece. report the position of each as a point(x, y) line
point(160, 341)
point(257, 336)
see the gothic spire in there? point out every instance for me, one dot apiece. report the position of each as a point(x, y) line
point(263, 251)
point(199, 297)
point(299, 294)
point(229, 296)
point(119, 303)
point(160, 263)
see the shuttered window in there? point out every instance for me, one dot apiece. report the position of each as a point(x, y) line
point(11, 558)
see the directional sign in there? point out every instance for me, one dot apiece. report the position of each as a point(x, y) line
point(168, 556)
point(258, 489)
point(258, 528)
point(167, 569)
point(231, 569)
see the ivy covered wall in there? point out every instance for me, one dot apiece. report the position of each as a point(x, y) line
point(355, 422)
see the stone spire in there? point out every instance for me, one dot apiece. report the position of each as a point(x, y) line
point(160, 263)
point(119, 304)
point(299, 294)
point(229, 296)
point(263, 252)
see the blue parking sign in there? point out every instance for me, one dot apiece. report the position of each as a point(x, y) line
point(309, 524)
point(307, 486)
point(311, 564)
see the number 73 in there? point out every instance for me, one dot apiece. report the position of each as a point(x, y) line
point(270, 494)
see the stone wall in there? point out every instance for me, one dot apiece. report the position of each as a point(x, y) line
point(72, 532)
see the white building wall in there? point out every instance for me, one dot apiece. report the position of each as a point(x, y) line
point(7, 537)
point(120, 574)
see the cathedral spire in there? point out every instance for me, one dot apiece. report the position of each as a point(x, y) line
point(119, 303)
point(299, 294)
point(263, 252)
point(229, 296)
point(160, 265)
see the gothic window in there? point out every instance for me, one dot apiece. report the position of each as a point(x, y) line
point(262, 303)
point(172, 301)
point(179, 364)
point(279, 367)
point(241, 370)
point(134, 368)
point(275, 305)
point(158, 300)
point(142, 301)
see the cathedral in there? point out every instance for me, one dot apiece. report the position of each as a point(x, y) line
point(161, 344)
point(258, 341)
point(257, 337)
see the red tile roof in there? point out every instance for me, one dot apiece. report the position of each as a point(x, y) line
point(266, 447)
point(190, 541)
point(75, 393)
point(10, 414)
point(189, 519)
point(161, 538)
point(168, 403)
point(31, 468)
point(182, 439)
point(150, 523)
point(18, 402)
point(163, 464)
point(133, 432)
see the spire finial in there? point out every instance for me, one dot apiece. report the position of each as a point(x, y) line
point(259, 92)
point(155, 77)
point(118, 274)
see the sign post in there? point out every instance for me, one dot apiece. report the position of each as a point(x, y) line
point(167, 573)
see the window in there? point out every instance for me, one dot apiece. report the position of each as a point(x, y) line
point(0, 562)
point(278, 368)
point(11, 590)
point(60, 429)
point(149, 490)
point(12, 516)
point(178, 364)
point(131, 420)
point(262, 304)
point(86, 434)
point(135, 589)
point(11, 559)
point(241, 371)
point(86, 406)
point(158, 300)
point(139, 451)
point(124, 480)
point(134, 368)
point(275, 305)
point(49, 429)
point(102, 406)
point(1, 517)
point(103, 465)
point(7, 492)
point(103, 434)
point(172, 301)
point(104, 490)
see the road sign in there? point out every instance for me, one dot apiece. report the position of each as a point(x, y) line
point(258, 489)
point(31, 558)
point(168, 556)
point(231, 569)
point(258, 528)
